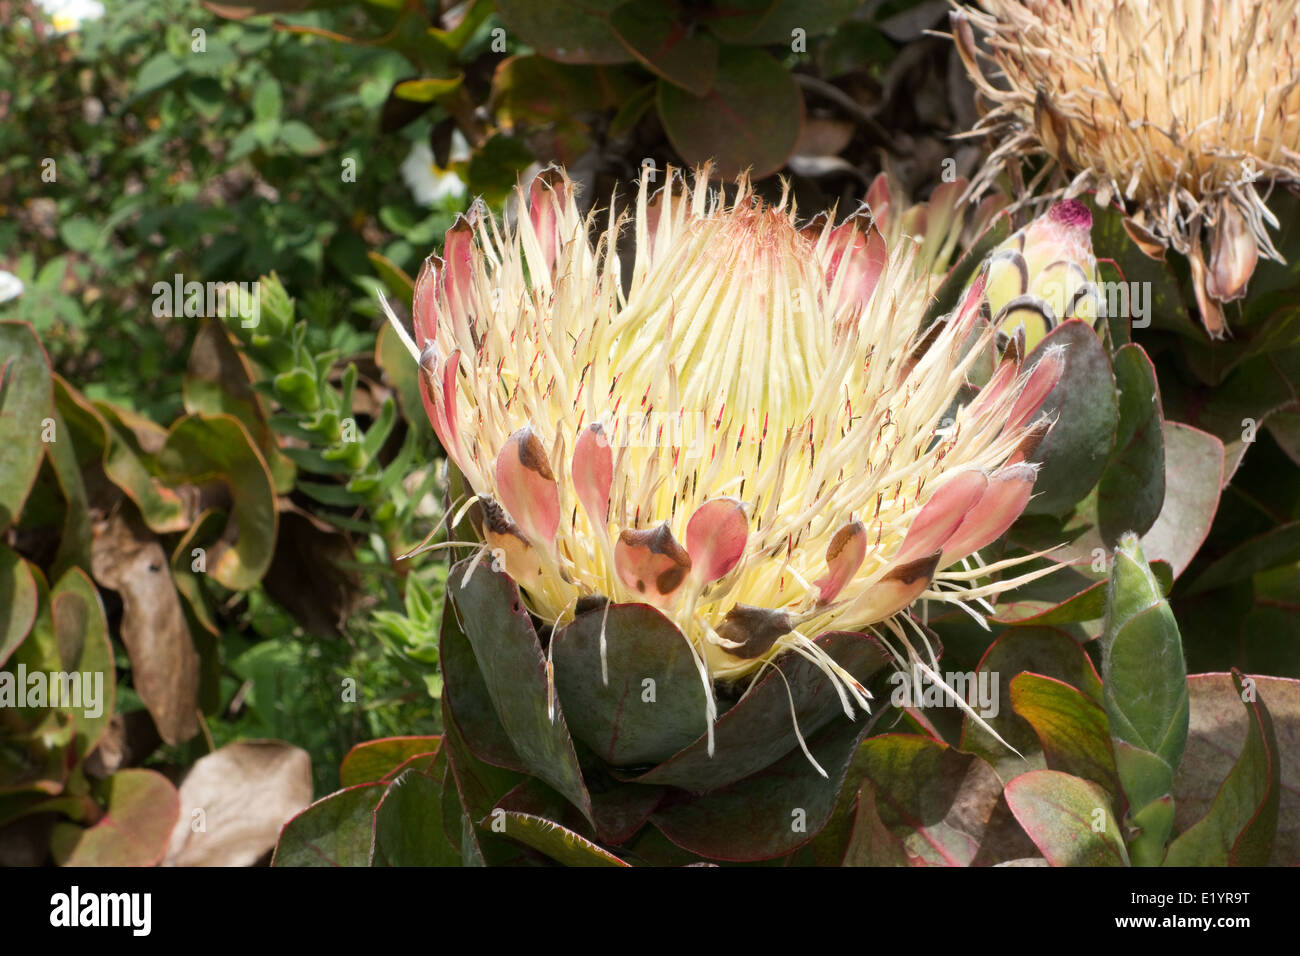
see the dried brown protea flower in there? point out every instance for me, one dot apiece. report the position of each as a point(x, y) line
point(1182, 111)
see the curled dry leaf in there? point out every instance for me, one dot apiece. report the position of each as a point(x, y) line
point(126, 558)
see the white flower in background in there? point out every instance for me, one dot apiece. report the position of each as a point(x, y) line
point(68, 15)
point(11, 287)
point(428, 182)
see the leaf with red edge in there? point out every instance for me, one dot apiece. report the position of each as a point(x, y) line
point(559, 843)
point(1075, 452)
point(479, 785)
point(1040, 650)
point(510, 659)
point(337, 830)
point(758, 730)
point(26, 402)
point(932, 803)
point(81, 638)
point(666, 46)
point(749, 120)
point(535, 816)
point(1071, 728)
point(771, 813)
point(1218, 726)
point(565, 30)
point(465, 697)
point(203, 447)
point(1193, 478)
point(243, 9)
point(1239, 827)
point(1069, 819)
point(627, 721)
point(372, 760)
point(1132, 489)
point(142, 808)
point(871, 843)
point(18, 601)
point(408, 822)
point(769, 22)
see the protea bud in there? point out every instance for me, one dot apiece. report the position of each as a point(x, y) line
point(747, 433)
point(1043, 275)
point(1182, 111)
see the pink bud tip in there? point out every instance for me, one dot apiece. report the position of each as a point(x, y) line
point(527, 486)
point(1072, 213)
point(716, 536)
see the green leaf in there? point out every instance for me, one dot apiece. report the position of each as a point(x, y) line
point(466, 700)
point(18, 602)
point(1075, 452)
point(560, 844)
point(402, 374)
point(80, 235)
point(771, 813)
point(142, 808)
point(932, 803)
point(408, 822)
point(1276, 547)
point(480, 785)
point(1166, 300)
point(103, 429)
point(372, 760)
point(1069, 819)
point(26, 402)
point(749, 120)
point(301, 138)
point(771, 22)
point(81, 637)
point(65, 459)
point(218, 381)
point(495, 167)
point(653, 704)
point(871, 843)
point(566, 30)
point(685, 58)
point(1132, 488)
point(1044, 651)
point(1149, 830)
point(759, 728)
point(1144, 777)
point(1143, 675)
point(159, 70)
point(1066, 597)
point(531, 814)
point(334, 831)
point(1234, 740)
point(399, 285)
point(267, 101)
point(493, 618)
point(1070, 726)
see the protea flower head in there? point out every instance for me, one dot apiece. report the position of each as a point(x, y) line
point(750, 432)
point(1181, 111)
